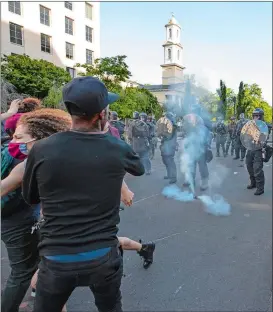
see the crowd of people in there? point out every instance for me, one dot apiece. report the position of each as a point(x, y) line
point(63, 183)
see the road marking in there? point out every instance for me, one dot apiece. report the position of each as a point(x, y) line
point(146, 198)
point(169, 236)
point(177, 290)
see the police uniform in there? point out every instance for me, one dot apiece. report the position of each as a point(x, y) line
point(238, 144)
point(254, 162)
point(138, 135)
point(231, 139)
point(221, 137)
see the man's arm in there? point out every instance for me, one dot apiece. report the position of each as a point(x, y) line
point(14, 106)
point(132, 163)
point(13, 180)
point(30, 186)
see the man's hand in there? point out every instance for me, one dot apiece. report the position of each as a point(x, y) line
point(127, 197)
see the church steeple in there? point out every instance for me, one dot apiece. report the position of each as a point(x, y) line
point(172, 67)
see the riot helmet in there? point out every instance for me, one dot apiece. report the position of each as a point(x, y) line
point(258, 113)
point(242, 116)
point(114, 115)
point(135, 115)
point(143, 116)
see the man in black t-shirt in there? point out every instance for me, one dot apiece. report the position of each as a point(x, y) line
point(78, 176)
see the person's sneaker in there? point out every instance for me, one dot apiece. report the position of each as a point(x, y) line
point(251, 186)
point(172, 181)
point(148, 173)
point(236, 158)
point(147, 253)
point(166, 178)
point(217, 155)
point(242, 159)
point(186, 184)
point(259, 192)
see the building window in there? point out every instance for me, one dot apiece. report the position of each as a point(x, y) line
point(45, 43)
point(16, 33)
point(88, 33)
point(69, 50)
point(169, 54)
point(89, 57)
point(15, 7)
point(170, 34)
point(44, 15)
point(68, 5)
point(68, 25)
point(88, 10)
point(178, 54)
point(71, 71)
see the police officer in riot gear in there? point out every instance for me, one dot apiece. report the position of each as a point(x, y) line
point(221, 136)
point(138, 135)
point(238, 144)
point(254, 161)
point(152, 138)
point(231, 138)
point(168, 148)
point(117, 124)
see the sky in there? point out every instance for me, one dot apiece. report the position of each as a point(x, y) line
point(231, 41)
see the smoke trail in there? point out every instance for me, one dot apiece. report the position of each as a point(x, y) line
point(174, 192)
point(215, 205)
point(197, 129)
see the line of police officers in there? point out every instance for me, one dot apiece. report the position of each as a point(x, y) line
point(230, 135)
point(142, 137)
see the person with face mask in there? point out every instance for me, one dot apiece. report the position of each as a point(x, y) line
point(240, 150)
point(221, 136)
point(230, 140)
point(80, 200)
point(17, 217)
point(41, 124)
point(254, 161)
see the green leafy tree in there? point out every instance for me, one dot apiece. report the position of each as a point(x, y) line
point(54, 98)
point(240, 100)
point(222, 92)
point(113, 71)
point(32, 76)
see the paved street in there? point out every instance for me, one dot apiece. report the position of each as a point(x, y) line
point(202, 262)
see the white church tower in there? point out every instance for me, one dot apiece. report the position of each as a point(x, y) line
point(172, 69)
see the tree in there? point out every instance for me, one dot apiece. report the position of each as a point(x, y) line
point(32, 76)
point(222, 92)
point(54, 98)
point(240, 98)
point(111, 70)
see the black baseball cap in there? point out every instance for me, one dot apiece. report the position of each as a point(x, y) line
point(87, 96)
